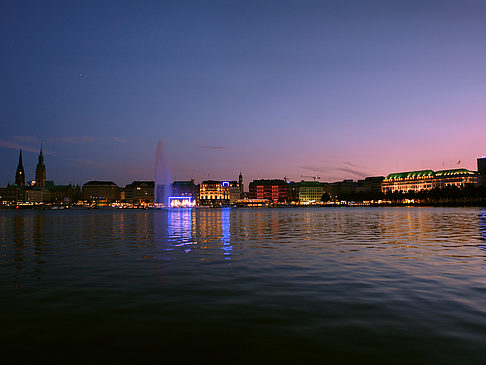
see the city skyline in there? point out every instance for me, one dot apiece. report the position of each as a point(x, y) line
point(342, 90)
point(40, 174)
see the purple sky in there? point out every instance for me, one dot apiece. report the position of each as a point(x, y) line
point(339, 89)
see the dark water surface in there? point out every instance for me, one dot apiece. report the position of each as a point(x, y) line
point(317, 285)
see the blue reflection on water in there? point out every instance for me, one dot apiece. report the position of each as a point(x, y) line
point(482, 227)
point(482, 224)
point(180, 227)
point(226, 236)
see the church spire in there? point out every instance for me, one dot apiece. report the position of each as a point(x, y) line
point(40, 171)
point(20, 174)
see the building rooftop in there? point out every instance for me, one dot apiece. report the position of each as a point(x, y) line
point(100, 183)
point(454, 172)
point(409, 175)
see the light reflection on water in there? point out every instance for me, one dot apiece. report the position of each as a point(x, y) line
point(353, 283)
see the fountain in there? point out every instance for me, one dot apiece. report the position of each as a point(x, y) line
point(163, 179)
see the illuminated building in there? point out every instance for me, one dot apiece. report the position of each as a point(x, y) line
point(406, 181)
point(40, 172)
point(140, 192)
point(310, 192)
point(272, 190)
point(457, 177)
point(101, 192)
point(234, 191)
point(20, 174)
point(428, 179)
point(213, 192)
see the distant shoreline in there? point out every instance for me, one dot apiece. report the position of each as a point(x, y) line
point(355, 205)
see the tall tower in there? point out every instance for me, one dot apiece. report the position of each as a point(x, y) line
point(40, 172)
point(240, 183)
point(20, 174)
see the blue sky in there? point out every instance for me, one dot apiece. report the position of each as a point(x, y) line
point(339, 89)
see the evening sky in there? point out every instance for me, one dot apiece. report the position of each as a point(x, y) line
point(339, 89)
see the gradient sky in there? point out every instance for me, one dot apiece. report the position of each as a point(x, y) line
point(339, 89)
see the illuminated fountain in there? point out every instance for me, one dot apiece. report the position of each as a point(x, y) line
point(163, 179)
point(181, 202)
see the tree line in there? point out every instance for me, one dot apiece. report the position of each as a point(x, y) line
point(469, 194)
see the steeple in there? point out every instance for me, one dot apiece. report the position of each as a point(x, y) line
point(20, 174)
point(240, 183)
point(40, 171)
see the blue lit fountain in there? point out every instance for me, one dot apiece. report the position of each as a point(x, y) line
point(163, 179)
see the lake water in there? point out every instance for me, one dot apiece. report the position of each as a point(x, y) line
point(303, 285)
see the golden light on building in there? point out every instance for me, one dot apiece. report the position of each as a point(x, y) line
point(428, 179)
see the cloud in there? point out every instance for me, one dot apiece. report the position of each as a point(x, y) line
point(16, 146)
point(347, 167)
point(77, 139)
point(210, 147)
point(89, 163)
point(352, 171)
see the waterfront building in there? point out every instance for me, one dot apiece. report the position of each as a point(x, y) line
point(20, 173)
point(234, 192)
point(272, 190)
point(310, 192)
point(101, 192)
point(457, 177)
point(339, 187)
point(37, 195)
point(40, 172)
point(12, 194)
point(185, 189)
point(212, 192)
point(482, 170)
point(293, 192)
point(139, 192)
point(406, 181)
point(63, 194)
point(370, 184)
point(428, 179)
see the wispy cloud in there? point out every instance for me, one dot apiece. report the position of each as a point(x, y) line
point(211, 147)
point(88, 163)
point(352, 170)
point(16, 146)
point(77, 139)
